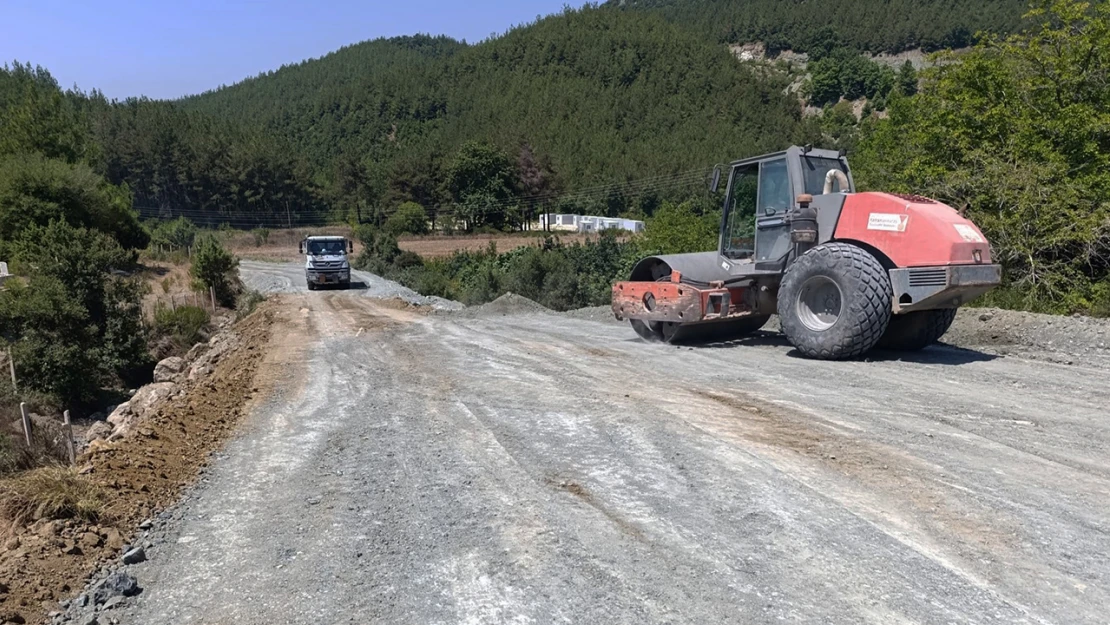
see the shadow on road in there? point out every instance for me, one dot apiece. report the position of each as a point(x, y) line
point(355, 286)
point(939, 354)
point(755, 339)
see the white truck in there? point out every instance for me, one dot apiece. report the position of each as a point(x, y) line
point(4, 275)
point(326, 261)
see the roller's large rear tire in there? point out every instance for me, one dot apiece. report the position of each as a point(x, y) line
point(917, 330)
point(835, 302)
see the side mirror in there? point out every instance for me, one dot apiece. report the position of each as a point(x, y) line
point(350, 247)
point(300, 247)
point(716, 180)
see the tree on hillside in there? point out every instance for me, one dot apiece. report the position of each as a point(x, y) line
point(906, 82)
point(352, 186)
point(536, 179)
point(418, 178)
point(37, 117)
point(409, 218)
point(1014, 134)
point(846, 74)
point(481, 179)
point(817, 26)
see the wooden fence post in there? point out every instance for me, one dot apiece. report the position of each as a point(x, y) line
point(26, 422)
point(212, 292)
point(173, 305)
point(69, 438)
point(11, 368)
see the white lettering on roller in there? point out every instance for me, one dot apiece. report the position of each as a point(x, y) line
point(969, 233)
point(888, 222)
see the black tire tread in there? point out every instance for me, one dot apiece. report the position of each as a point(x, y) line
point(917, 330)
point(866, 305)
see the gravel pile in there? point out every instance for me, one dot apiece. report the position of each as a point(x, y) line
point(507, 304)
point(603, 314)
point(993, 327)
point(380, 288)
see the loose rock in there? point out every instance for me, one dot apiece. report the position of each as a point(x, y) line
point(168, 369)
point(118, 584)
point(134, 556)
point(98, 431)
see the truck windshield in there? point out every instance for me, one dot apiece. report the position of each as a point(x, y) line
point(326, 248)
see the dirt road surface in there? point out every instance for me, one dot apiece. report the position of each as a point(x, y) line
point(539, 468)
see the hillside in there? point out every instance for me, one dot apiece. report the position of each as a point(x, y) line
point(819, 25)
point(603, 95)
point(640, 94)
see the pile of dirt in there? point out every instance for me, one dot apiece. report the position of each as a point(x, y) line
point(507, 304)
point(141, 475)
point(997, 328)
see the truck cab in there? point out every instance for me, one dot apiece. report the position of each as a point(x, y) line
point(326, 261)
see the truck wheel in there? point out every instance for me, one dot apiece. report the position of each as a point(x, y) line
point(311, 287)
point(834, 302)
point(917, 330)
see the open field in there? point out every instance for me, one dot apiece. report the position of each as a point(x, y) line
point(282, 244)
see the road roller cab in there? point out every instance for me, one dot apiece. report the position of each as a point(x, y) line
point(845, 271)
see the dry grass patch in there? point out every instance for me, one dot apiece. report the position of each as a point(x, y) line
point(50, 493)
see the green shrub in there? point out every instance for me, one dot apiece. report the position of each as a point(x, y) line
point(184, 325)
point(682, 228)
point(74, 327)
point(248, 301)
point(410, 218)
point(261, 236)
point(214, 267)
point(167, 236)
point(433, 280)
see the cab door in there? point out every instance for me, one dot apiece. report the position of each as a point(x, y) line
point(772, 234)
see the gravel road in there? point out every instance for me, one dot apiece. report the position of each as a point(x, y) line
point(544, 468)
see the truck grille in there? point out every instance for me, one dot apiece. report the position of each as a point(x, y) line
point(932, 276)
point(328, 265)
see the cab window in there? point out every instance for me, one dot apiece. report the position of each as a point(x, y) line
point(739, 231)
point(774, 188)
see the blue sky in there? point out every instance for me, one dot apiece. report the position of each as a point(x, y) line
point(170, 48)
